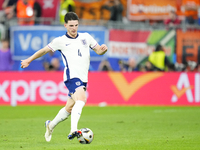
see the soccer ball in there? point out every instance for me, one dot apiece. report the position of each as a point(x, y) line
point(86, 137)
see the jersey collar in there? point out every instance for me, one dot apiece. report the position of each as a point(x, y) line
point(71, 37)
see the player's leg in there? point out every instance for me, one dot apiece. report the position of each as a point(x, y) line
point(80, 99)
point(63, 114)
point(77, 90)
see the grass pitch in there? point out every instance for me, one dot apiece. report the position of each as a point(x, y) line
point(115, 128)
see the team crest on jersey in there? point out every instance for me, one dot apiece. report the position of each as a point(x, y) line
point(84, 42)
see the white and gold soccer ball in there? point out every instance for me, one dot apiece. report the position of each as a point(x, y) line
point(86, 137)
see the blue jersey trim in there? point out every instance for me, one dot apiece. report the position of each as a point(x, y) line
point(67, 71)
point(71, 37)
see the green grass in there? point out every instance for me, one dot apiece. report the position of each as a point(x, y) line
point(115, 128)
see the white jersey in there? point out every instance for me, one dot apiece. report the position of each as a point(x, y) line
point(75, 54)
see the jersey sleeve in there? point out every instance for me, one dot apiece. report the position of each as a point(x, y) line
point(55, 44)
point(92, 42)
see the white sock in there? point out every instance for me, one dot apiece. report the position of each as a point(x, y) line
point(61, 116)
point(75, 114)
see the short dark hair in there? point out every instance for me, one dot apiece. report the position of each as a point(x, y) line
point(71, 16)
point(159, 48)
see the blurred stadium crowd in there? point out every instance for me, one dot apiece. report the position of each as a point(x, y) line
point(148, 35)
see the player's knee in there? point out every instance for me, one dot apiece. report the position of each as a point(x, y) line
point(83, 97)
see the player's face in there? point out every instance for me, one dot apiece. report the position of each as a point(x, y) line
point(72, 27)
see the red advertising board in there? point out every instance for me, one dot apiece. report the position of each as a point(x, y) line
point(133, 44)
point(140, 44)
point(111, 88)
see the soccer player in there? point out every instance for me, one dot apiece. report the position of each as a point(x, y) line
point(75, 51)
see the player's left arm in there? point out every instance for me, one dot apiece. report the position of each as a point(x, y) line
point(100, 50)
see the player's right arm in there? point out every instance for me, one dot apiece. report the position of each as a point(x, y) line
point(25, 63)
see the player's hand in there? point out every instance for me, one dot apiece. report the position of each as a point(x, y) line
point(24, 63)
point(103, 48)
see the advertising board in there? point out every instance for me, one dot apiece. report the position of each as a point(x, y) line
point(110, 88)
